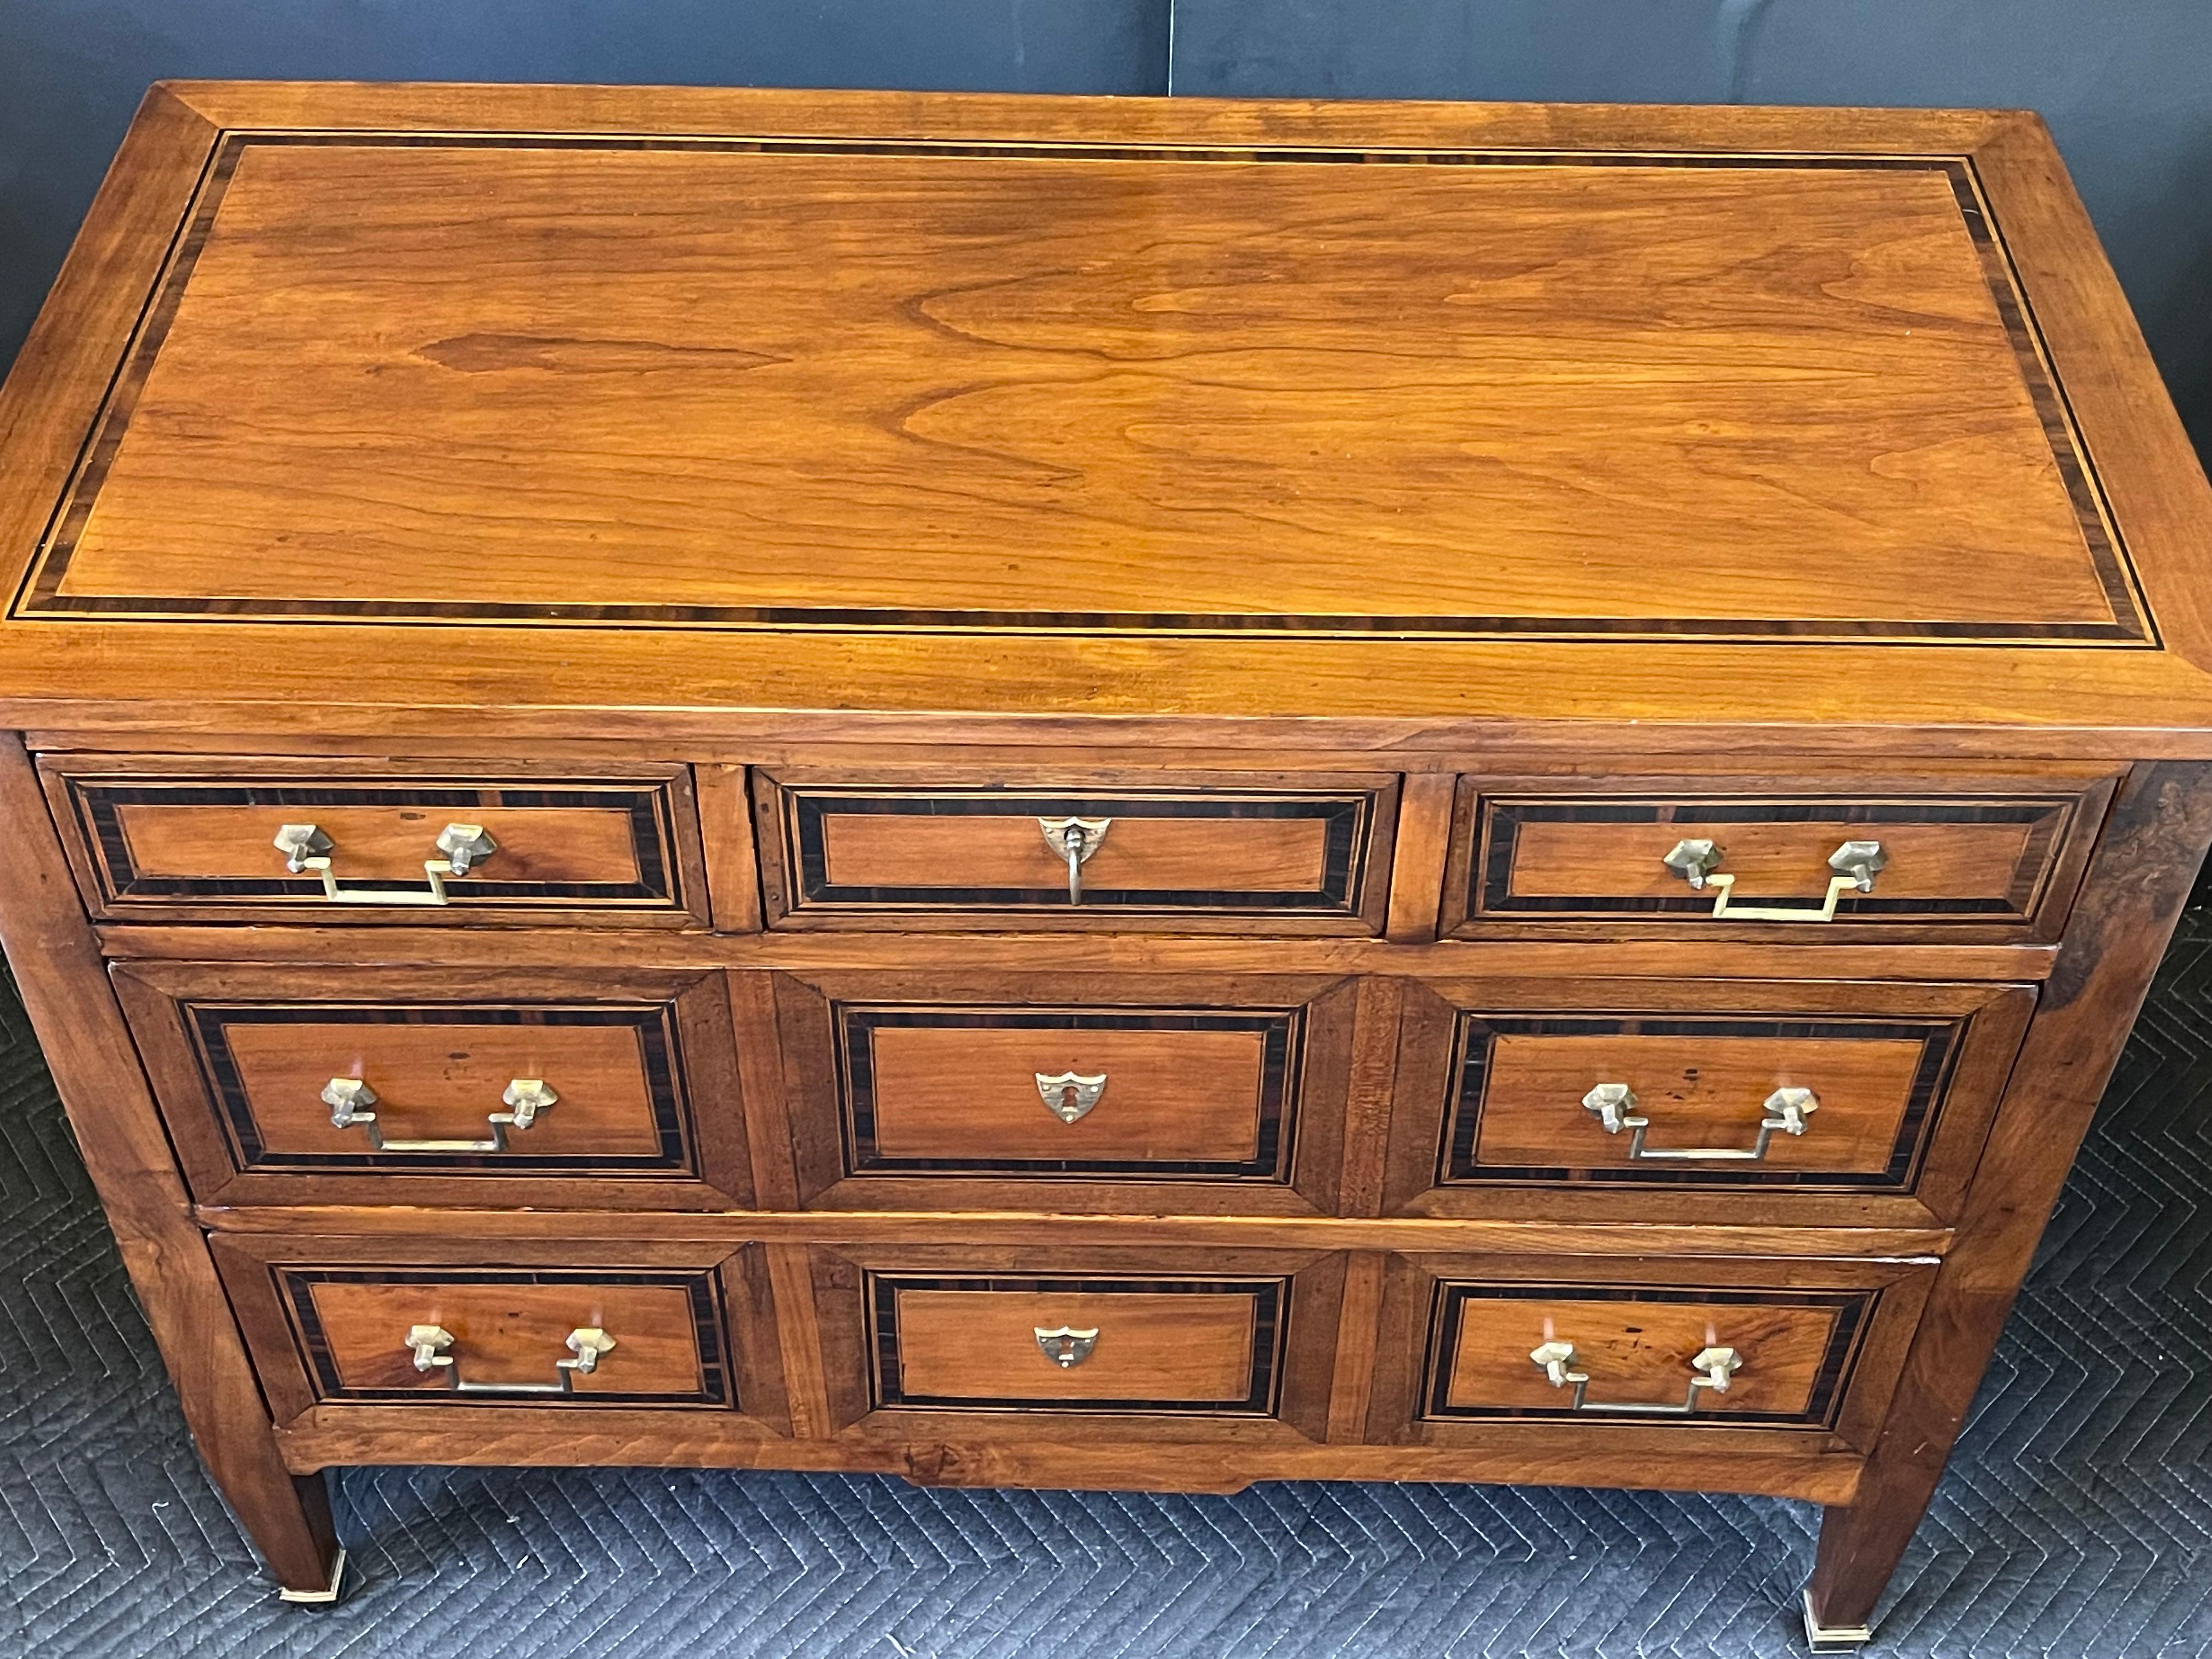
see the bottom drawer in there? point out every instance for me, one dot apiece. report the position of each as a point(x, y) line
point(1688, 1346)
point(338, 1321)
point(1239, 1338)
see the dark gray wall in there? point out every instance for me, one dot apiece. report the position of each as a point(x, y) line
point(2125, 84)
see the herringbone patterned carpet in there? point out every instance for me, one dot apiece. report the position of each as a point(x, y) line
point(2074, 1520)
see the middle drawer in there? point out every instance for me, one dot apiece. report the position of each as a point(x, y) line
point(1162, 1094)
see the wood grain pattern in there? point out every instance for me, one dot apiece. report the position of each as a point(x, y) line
point(1636, 1351)
point(1079, 504)
point(1833, 1401)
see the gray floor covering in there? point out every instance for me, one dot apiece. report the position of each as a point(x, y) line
point(2073, 1522)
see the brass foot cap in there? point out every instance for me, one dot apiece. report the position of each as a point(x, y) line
point(319, 1598)
point(1833, 1638)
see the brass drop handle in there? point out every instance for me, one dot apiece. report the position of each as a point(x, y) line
point(348, 1098)
point(1066, 1346)
point(1068, 1096)
point(1614, 1105)
point(307, 851)
point(1074, 840)
point(585, 1343)
point(1711, 1368)
point(1855, 865)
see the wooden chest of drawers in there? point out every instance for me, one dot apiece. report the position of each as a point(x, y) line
point(1089, 793)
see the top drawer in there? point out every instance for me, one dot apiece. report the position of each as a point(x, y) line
point(1959, 858)
point(162, 839)
point(1206, 851)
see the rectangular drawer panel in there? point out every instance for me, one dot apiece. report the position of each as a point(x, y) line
point(1110, 1093)
point(1634, 1351)
point(961, 1088)
point(1706, 854)
point(1130, 1345)
point(441, 1325)
point(412, 1086)
point(505, 1335)
point(1644, 1350)
point(194, 839)
point(1038, 1341)
point(1184, 852)
point(1723, 1087)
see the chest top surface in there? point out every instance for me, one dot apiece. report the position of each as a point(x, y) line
point(570, 398)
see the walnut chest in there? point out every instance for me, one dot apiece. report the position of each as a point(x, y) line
point(1089, 793)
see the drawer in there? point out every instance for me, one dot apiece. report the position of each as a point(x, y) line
point(422, 1085)
point(1874, 857)
point(1158, 1093)
point(1205, 853)
point(1228, 1336)
point(385, 1322)
point(1734, 1090)
point(1079, 1344)
point(165, 840)
point(1659, 1348)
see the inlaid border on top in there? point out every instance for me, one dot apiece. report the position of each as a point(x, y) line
point(39, 598)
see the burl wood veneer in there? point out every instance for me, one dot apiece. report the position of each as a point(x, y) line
point(1090, 792)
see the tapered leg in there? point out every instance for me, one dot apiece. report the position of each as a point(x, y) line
point(56, 964)
point(2154, 843)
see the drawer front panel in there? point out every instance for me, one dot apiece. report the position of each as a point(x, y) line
point(1160, 1094)
point(2005, 863)
point(1207, 1093)
point(160, 847)
point(436, 1082)
point(1617, 1088)
point(577, 1089)
point(1202, 1346)
point(1703, 1087)
point(1638, 1352)
point(506, 1334)
point(1310, 857)
point(1634, 1350)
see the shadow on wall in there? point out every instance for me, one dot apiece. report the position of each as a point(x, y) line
point(2126, 85)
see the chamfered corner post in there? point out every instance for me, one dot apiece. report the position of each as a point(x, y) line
point(2147, 859)
point(57, 965)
